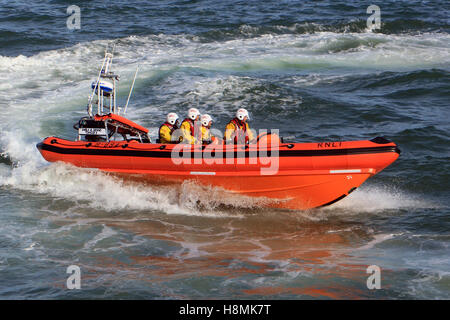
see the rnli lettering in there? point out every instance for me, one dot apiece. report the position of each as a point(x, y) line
point(329, 144)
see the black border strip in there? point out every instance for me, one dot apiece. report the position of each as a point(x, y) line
point(241, 154)
point(333, 201)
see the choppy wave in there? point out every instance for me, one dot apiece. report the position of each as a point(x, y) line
point(38, 27)
point(27, 82)
point(395, 26)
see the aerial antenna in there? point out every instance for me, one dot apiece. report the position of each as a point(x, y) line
point(98, 86)
point(131, 89)
point(113, 49)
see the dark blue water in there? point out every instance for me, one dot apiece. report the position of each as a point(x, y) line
point(309, 68)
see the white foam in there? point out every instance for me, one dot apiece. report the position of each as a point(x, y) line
point(95, 189)
point(379, 238)
point(193, 195)
point(75, 184)
point(4, 171)
point(373, 198)
point(106, 232)
point(30, 247)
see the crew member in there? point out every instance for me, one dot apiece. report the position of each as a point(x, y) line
point(237, 130)
point(207, 121)
point(167, 128)
point(191, 127)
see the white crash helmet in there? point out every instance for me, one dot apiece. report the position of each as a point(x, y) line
point(206, 119)
point(193, 113)
point(242, 113)
point(172, 118)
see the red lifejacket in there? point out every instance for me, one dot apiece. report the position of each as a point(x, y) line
point(240, 130)
point(195, 127)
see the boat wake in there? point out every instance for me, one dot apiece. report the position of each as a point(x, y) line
point(90, 188)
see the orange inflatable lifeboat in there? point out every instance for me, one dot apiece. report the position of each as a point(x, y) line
point(286, 175)
point(293, 175)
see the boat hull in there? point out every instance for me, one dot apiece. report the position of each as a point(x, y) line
point(293, 176)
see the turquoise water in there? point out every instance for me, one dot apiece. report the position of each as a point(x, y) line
point(310, 69)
